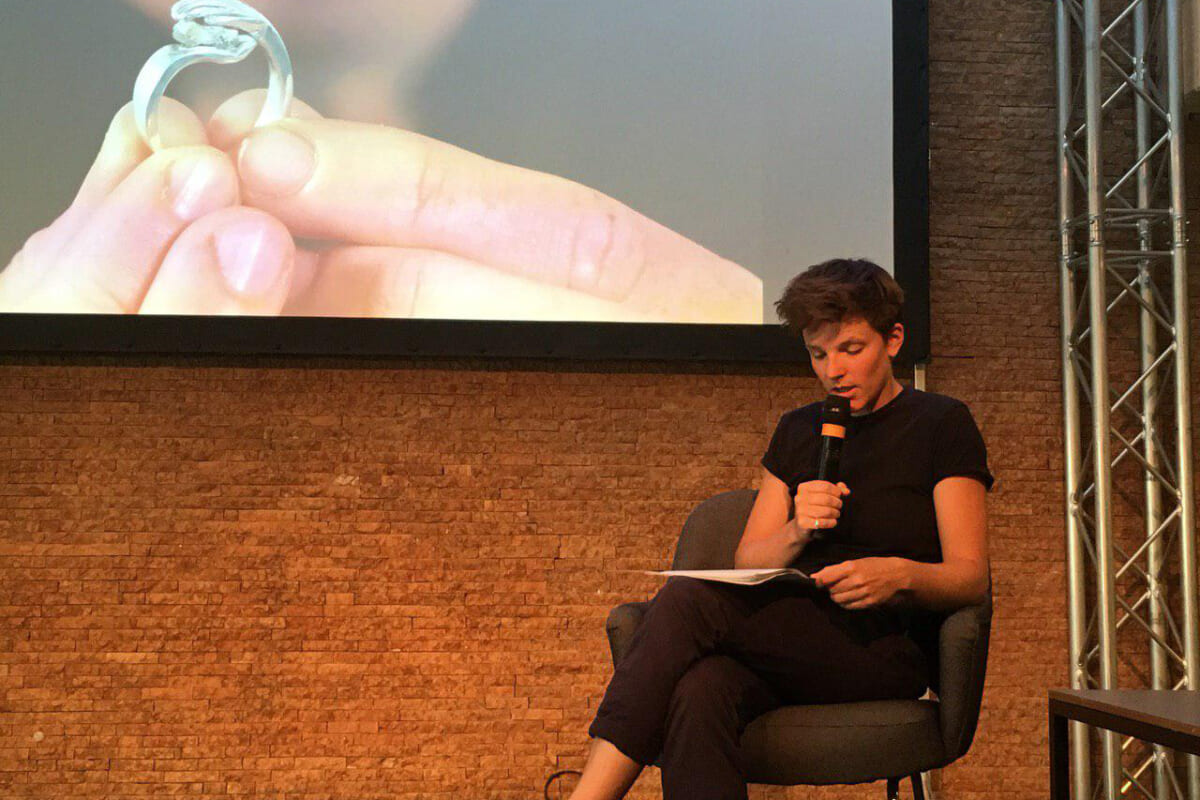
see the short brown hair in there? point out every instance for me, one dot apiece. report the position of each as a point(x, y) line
point(841, 289)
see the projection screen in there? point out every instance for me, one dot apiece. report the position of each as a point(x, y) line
point(581, 178)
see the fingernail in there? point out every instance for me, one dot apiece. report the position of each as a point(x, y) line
point(248, 267)
point(276, 161)
point(196, 189)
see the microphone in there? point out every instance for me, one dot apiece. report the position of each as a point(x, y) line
point(835, 416)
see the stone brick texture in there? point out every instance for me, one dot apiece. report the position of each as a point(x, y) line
point(388, 579)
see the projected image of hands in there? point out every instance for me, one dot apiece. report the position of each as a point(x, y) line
point(321, 217)
point(621, 161)
point(332, 216)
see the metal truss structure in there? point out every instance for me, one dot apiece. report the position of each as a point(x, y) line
point(1130, 493)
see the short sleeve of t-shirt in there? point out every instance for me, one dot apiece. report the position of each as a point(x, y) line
point(775, 459)
point(794, 445)
point(959, 449)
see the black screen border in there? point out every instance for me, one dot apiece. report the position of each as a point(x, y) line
point(338, 336)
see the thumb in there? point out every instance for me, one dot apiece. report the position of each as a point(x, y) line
point(234, 261)
point(845, 489)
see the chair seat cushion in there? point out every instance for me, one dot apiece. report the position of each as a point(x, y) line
point(844, 743)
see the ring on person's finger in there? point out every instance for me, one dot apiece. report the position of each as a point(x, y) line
point(219, 32)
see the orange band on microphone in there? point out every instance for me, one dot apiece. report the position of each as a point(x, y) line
point(836, 431)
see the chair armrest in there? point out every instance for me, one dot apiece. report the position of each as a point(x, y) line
point(620, 626)
point(963, 649)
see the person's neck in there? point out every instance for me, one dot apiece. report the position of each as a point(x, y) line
point(889, 393)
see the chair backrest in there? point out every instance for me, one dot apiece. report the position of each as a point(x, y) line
point(712, 531)
point(708, 540)
point(962, 664)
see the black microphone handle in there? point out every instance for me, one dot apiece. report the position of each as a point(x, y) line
point(831, 459)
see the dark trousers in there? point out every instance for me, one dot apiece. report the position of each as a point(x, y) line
point(708, 658)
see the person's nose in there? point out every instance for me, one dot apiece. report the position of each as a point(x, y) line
point(837, 369)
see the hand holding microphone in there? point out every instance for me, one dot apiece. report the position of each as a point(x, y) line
point(818, 503)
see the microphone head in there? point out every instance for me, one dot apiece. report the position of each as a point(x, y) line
point(835, 411)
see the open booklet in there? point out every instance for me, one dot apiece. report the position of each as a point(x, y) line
point(743, 577)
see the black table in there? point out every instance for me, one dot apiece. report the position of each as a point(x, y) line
point(1161, 717)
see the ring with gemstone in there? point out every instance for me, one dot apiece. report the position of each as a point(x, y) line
point(218, 32)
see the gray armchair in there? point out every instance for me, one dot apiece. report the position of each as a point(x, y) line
point(847, 742)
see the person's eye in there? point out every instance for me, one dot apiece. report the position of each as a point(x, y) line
point(854, 351)
point(817, 356)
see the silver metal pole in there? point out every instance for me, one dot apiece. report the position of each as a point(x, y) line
point(1183, 409)
point(1159, 671)
point(1081, 778)
point(1102, 439)
point(1128, 47)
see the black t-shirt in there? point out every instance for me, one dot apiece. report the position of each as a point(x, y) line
point(891, 460)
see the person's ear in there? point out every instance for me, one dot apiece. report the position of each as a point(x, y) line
point(894, 340)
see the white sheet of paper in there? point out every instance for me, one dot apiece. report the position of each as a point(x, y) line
point(743, 577)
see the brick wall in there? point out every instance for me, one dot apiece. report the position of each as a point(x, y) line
point(348, 579)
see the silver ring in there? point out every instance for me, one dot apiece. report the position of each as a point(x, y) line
point(218, 32)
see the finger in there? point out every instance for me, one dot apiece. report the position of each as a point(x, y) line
point(841, 601)
point(120, 153)
point(815, 496)
point(455, 288)
point(394, 282)
point(233, 261)
point(18, 281)
point(109, 265)
point(859, 599)
point(373, 185)
point(843, 488)
point(235, 118)
point(815, 520)
point(124, 149)
point(842, 596)
point(351, 282)
point(817, 517)
point(816, 493)
point(834, 573)
point(825, 578)
point(836, 585)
